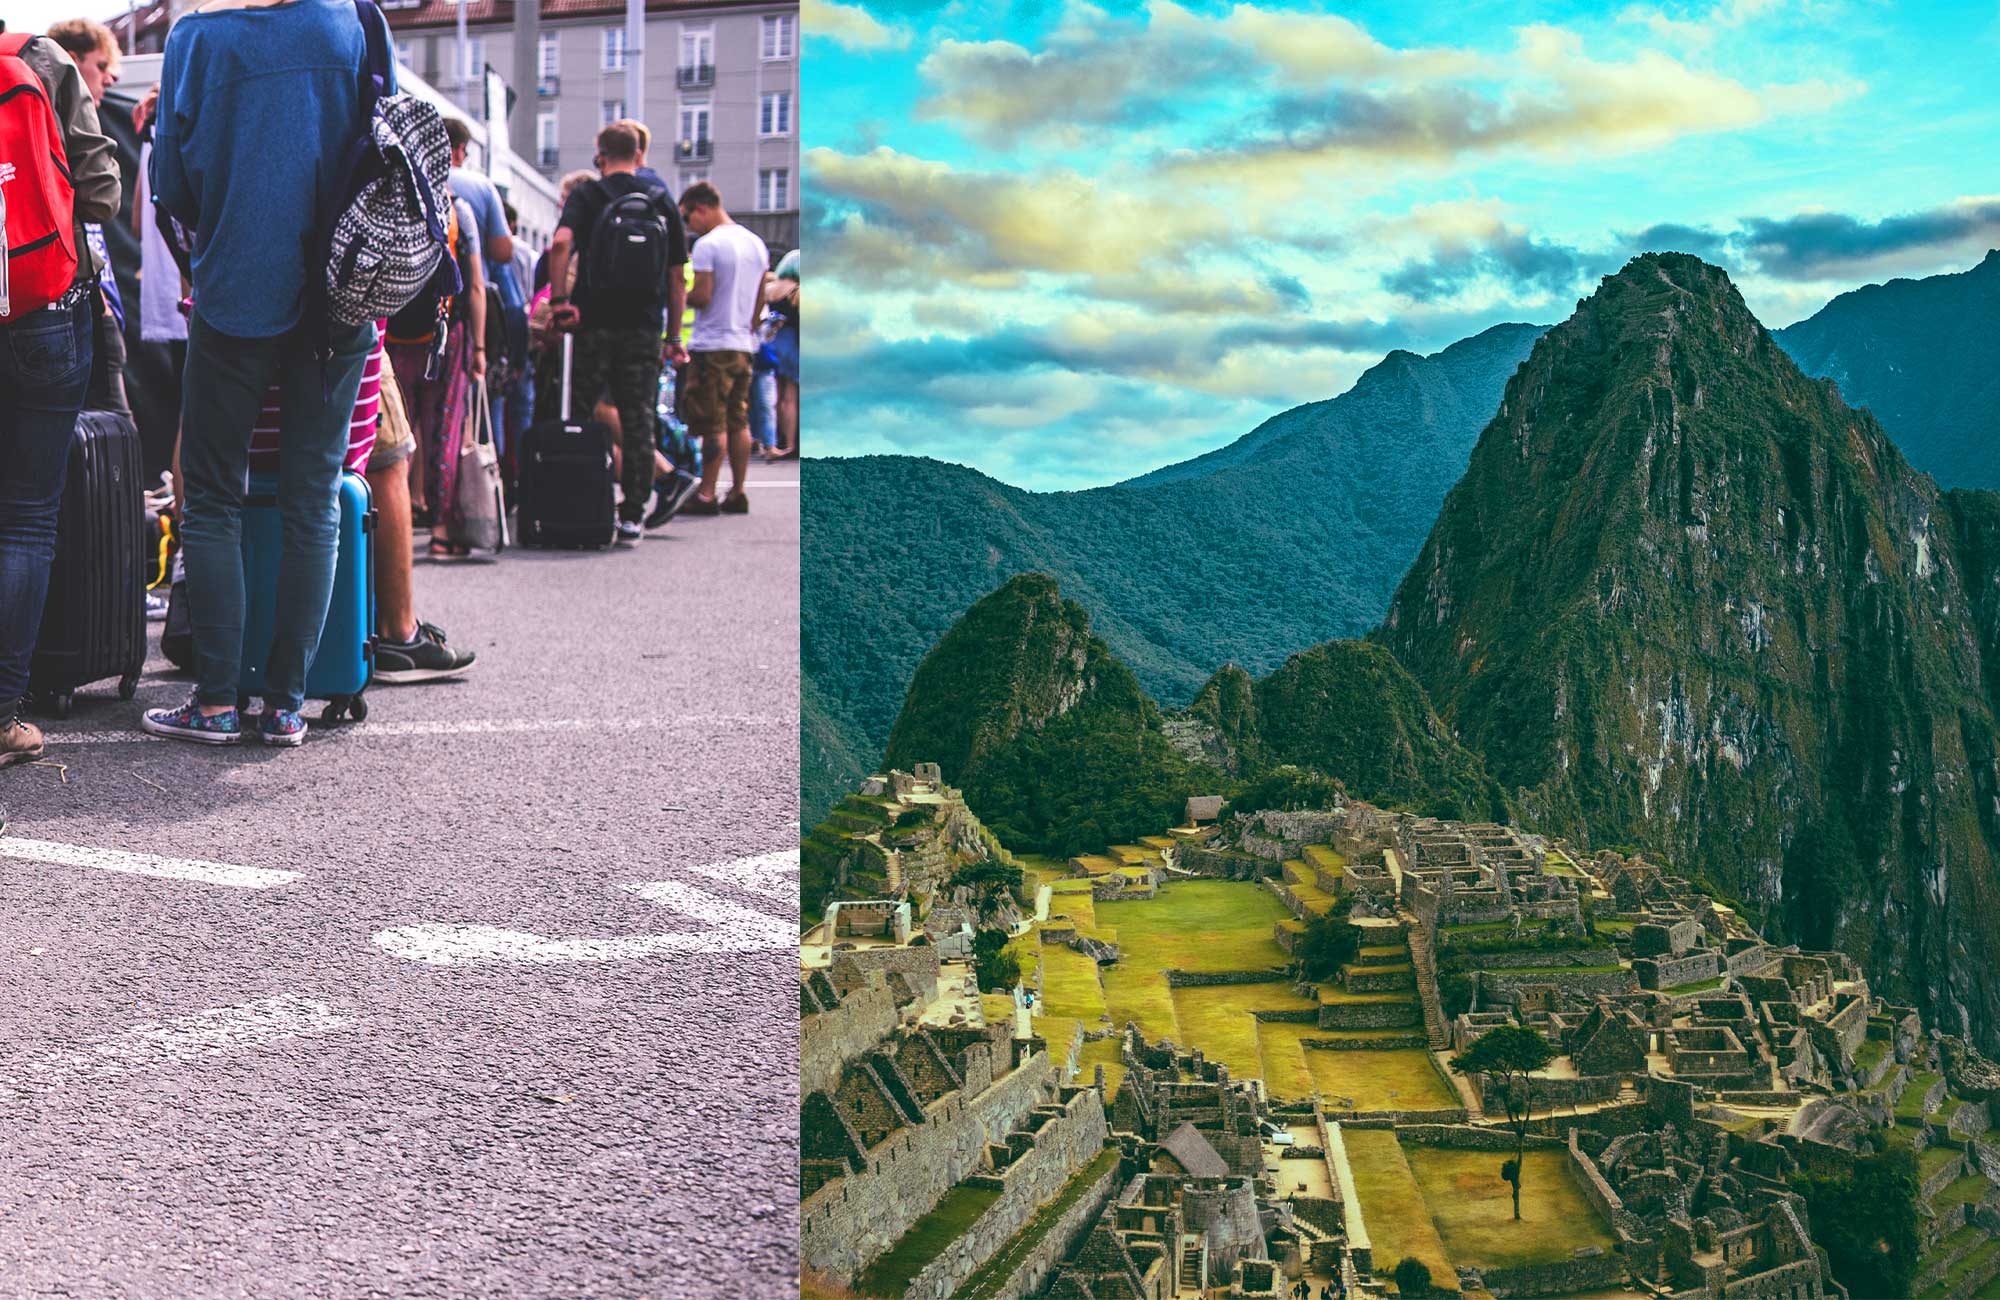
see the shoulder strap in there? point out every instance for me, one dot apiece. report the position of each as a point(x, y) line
point(12, 43)
point(375, 66)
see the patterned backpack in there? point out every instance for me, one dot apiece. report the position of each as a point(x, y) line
point(387, 243)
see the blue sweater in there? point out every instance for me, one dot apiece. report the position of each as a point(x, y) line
point(257, 110)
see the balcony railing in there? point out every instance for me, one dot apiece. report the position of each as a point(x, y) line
point(694, 150)
point(548, 87)
point(546, 156)
point(697, 74)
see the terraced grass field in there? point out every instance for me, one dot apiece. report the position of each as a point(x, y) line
point(1199, 925)
point(1474, 1210)
point(1104, 1052)
point(1393, 1205)
point(1069, 984)
point(1403, 1079)
point(1218, 1019)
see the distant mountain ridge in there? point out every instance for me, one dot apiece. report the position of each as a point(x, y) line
point(1924, 357)
point(1294, 534)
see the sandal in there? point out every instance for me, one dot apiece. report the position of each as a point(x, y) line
point(444, 550)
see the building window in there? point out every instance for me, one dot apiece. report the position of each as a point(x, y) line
point(694, 123)
point(697, 66)
point(778, 36)
point(613, 110)
point(549, 49)
point(545, 138)
point(774, 186)
point(692, 178)
point(776, 115)
point(614, 49)
point(474, 65)
point(406, 54)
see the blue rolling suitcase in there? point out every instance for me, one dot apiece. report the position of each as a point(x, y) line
point(340, 669)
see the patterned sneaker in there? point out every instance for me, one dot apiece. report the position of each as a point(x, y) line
point(629, 531)
point(276, 726)
point(188, 722)
point(20, 740)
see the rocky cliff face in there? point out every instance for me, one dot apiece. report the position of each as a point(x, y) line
point(1686, 597)
point(1924, 357)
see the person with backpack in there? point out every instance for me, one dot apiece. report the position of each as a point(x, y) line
point(261, 106)
point(626, 240)
point(68, 176)
point(95, 50)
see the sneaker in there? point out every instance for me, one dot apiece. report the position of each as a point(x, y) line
point(281, 726)
point(188, 722)
point(671, 494)
point(736, 504)
point(20, 740)
point(629, 531)
point(425, 659)
point(156, 606)
point(700, 505)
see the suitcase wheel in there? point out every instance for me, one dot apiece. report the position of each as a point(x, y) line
point(335, 711)
point(128, 686)
point(357, 708)
point(60, 703)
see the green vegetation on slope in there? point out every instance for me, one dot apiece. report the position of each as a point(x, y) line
point(1326, 504)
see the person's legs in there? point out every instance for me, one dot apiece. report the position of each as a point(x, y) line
point(736, 405)
point(635, 390)
point(389, 482)
point(107, 367)
point(221, 395)
point(701, 406)
point(314, 419)
point(764, 407)
point(788, 416)
point(44, 372)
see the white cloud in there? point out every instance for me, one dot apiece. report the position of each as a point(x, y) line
point(850, 26)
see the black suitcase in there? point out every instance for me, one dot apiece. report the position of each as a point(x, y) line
point(94, 624)
point(564, 484)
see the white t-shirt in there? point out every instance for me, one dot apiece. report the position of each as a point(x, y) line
point(738, 260)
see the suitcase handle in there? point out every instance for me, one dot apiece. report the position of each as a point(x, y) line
point(569, 354)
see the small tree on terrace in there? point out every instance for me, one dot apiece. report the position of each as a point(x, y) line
point(997, 969)
point(1330, 942)
point(1504, 1055)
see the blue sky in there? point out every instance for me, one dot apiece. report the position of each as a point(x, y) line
point(1065, 243)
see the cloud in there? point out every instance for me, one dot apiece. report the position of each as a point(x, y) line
point(1559, 101)
point(1311, 48)
point(1819, 245)
point(850, 26)
point(1698, 32)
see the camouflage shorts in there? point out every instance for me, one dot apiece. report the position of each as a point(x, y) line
point(718, 393)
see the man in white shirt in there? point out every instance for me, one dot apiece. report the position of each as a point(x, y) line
point(729, 264)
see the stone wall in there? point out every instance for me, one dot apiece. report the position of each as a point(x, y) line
point(1670, 972)
point(1556, 1092)
point(1285, 834)
point(850, 1221)
point(1529, 958)
point(1222, 864)
point(829, 1040)
point(1602, 1271)
point(1470, 1137)
point(1028, 1277)
point(919, 965)
point(1064, 1145)
point(1601, 1195)
point(1611, 982)
point(1194, 979)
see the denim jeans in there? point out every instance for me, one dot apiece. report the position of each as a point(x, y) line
point(764, 405)
point(221, 395)
point(44, 370)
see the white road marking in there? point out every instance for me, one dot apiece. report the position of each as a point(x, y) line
point(768, 875)
point(471, 727)
point(731, 928)
point(204, 1033)
point(144, 864)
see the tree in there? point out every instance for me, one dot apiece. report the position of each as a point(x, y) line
point(1413, 1276)
point(1868, 1221)
point(1330, 941)
point(997, 969)
point(1504, 1055)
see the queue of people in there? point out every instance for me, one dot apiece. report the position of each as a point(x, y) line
point(270, 388)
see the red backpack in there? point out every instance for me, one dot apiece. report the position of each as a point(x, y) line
point(37, 202)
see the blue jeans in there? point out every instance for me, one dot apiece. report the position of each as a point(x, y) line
point(221, 395)
point(764, 405)
point(44, 371)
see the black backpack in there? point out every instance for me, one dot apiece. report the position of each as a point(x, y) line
point(626, 268)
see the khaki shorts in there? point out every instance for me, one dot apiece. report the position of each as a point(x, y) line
point(394, 440)
point(718, 393)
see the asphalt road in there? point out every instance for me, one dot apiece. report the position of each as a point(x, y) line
point(476, 998)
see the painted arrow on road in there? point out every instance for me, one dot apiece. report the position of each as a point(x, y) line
point(732, 927)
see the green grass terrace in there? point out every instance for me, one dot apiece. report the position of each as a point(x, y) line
point(889, 1277)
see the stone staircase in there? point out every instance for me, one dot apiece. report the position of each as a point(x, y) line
point(1427, 992)
point(1194, 1263)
